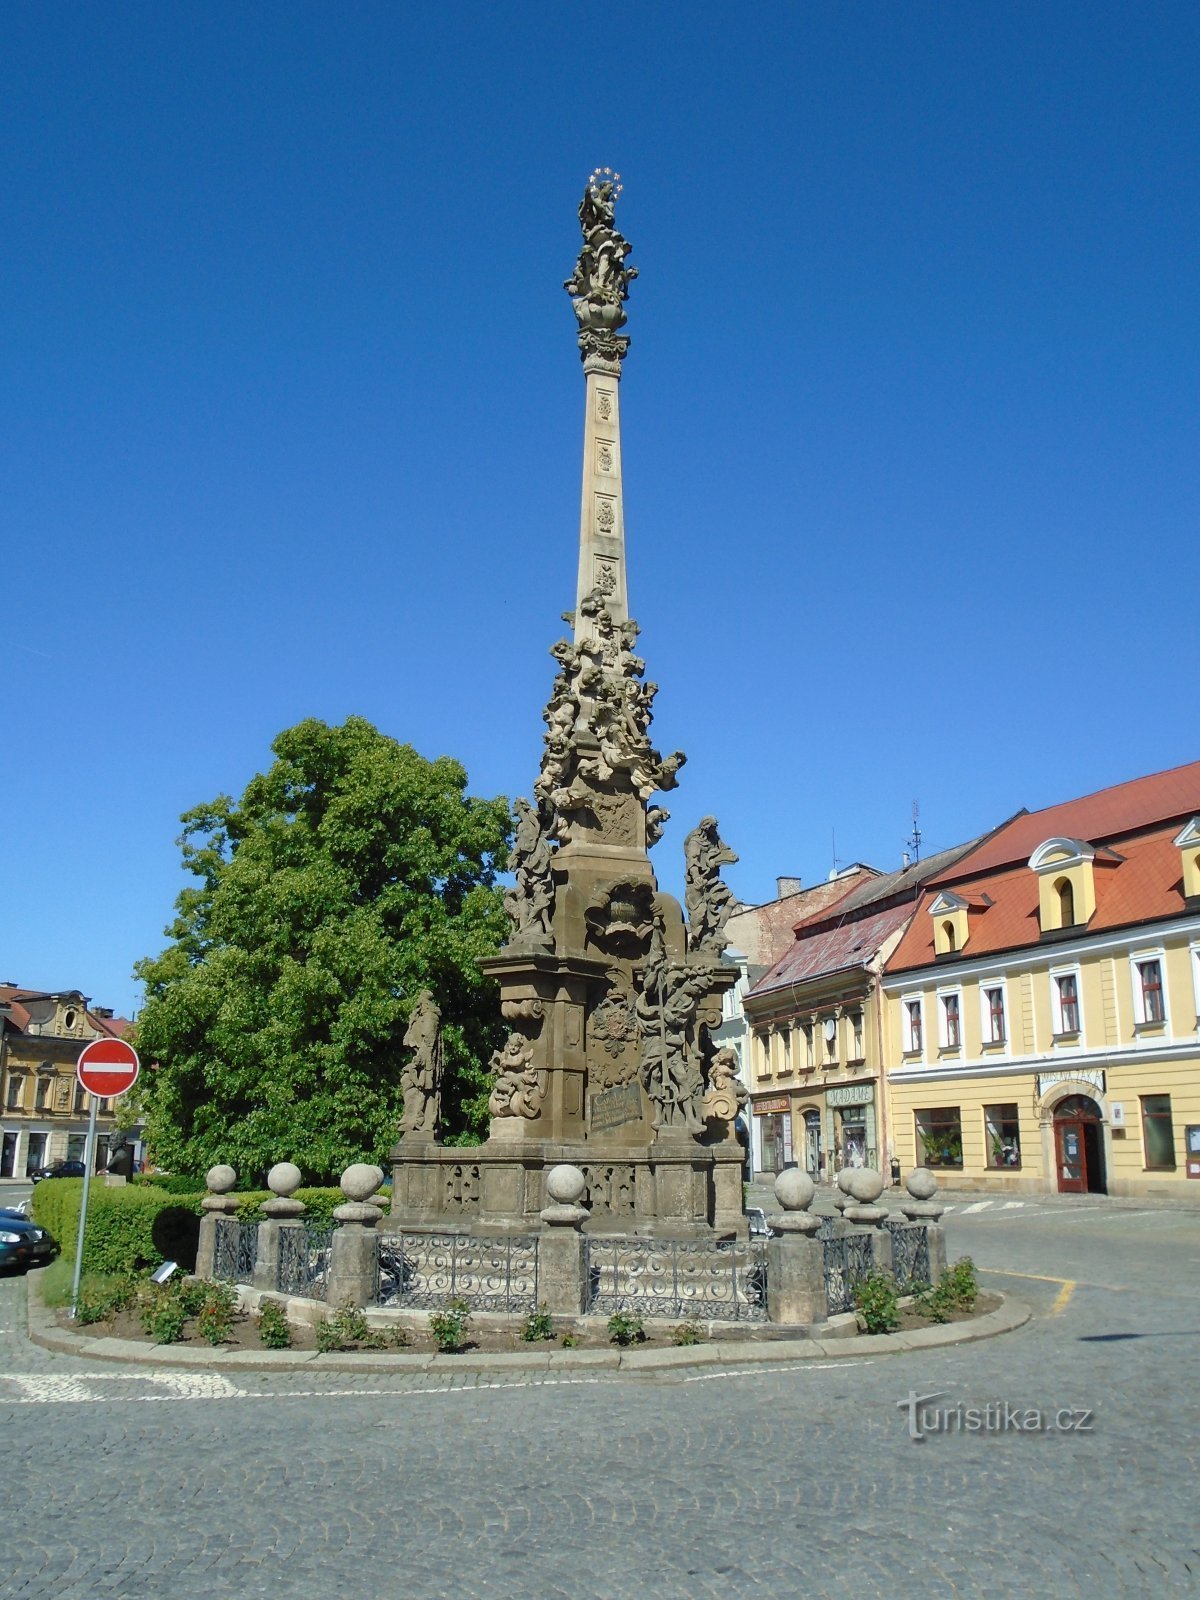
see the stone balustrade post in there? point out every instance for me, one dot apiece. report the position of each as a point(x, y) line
point(281, 1211)
point(796, 1257)
point(925, 1209)
point(217, 1203)
point(352, 1255)
point(561, 1251)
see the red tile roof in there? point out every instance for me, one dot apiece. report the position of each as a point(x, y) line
point(1143, 886)
point(13, 994)
point(840, 948)
point(1109, 814)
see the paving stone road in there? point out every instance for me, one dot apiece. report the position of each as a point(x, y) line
point(794, 1481)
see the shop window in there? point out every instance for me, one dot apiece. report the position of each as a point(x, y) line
point(1066, 1003)
point(951, 1022)
point(1003, 1130)
point(994, 1021)
point(1158, 1133)
point(1149, 1004)
point(913, 1037)
point(939, 1135)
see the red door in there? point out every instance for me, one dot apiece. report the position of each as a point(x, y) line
point(1078, 1148)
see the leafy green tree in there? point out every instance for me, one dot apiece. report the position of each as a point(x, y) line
point(350, 876)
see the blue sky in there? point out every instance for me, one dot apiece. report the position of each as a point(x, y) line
point(292, 413)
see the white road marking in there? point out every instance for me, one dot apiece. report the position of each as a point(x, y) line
point(782, 1366)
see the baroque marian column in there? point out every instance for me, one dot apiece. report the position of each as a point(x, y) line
point(598, 288)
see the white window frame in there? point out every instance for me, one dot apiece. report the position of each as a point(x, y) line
point(907, 1001)
point(945, 995)
point(1137, 960)
point(1194, 960)
point(986, 985)
point(1056, 1015)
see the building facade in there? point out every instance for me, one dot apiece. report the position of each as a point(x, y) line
point(817, 1028)
point(43, 1110)
point(1043, 1006)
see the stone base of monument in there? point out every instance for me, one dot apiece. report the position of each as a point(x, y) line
point(674, 1187)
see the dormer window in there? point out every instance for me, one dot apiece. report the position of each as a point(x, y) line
point(1187, 841)
point(1066, 883)
point(949, 912)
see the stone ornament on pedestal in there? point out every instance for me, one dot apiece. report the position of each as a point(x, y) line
point(283, 1180)
point(796, 1258)
point(218, 1202)
point(281, 1211)
point(864, 1186)
point(358, 1183)
point(565, 1188)
point(923, 1187)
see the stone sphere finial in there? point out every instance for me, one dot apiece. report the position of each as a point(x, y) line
point(794, 1189)
point(865, 1185)
point(220, 1179)
point(565, 1184)
point(921, 1184)
point(360, 1181)
point(284, 1178)
point(844, 1178)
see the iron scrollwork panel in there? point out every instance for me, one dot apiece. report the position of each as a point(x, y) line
point(425, 1271)
point(910, 1253)
point(304, 1260)
point(847, 1261)
point(235, 1250)
point(712, 1279)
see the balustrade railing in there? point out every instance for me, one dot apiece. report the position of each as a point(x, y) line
point(910, 1254)
point(723, 1280)
point(235, 1250)
point(847, 1261)
point(304, 1259)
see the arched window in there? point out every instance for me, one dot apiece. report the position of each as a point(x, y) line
point(1066, 903)
point(948, 930)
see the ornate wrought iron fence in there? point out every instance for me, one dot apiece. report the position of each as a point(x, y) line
point(425, 1270)
point(713, 1279)
point(910, 1253)
point(304, 1259)
point(847, 1261)
point(235, 1250)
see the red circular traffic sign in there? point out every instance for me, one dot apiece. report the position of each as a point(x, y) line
point(107, 1067)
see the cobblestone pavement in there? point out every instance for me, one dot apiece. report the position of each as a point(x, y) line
point(793, 1481)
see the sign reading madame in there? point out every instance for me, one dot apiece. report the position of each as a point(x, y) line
point(850, 1094)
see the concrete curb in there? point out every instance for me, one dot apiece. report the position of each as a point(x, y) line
point(1010, 1315)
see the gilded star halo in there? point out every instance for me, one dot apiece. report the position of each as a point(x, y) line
point(603, 175)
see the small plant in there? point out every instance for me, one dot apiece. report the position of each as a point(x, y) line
point(166, 1320)
point(624, 1329)
point(877, 1303)
point(100, 1301)
point(218, 1306)
point(687, 1333)
point(327, 1336)
point(273, 1327)
point(570, 1340)
point(345, 1330)
point(538, 1324)
point(449, 1327)
point(957, 1290)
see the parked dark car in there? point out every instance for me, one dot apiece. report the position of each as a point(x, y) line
point(59, 1169)
point(760, 1228)
point(23, 1243)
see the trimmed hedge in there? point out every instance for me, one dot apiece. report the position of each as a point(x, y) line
point(135, 1227)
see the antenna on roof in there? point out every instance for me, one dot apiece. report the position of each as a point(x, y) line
point(913, 842)
point(835, 864)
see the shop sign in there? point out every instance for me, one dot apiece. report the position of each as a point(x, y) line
point(777, 1102)
point(1089, 1075)
point(850, 1094)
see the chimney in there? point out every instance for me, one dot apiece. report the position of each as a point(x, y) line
point(786, 886)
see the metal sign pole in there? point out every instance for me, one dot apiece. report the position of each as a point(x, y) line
point(89, 1157)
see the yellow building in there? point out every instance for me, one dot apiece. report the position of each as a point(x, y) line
point(43, 1110)
point(1043, 1007)
point(816, 1027)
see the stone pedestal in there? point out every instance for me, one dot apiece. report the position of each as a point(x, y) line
point(351, 1279)
point(218, 1202)
point(796, 1271)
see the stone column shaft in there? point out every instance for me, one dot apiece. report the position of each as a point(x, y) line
point(602, 513)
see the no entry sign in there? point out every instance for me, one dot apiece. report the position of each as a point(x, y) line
point(107, 1067)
